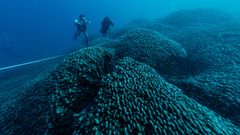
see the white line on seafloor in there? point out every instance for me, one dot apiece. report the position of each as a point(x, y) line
point(28, 63)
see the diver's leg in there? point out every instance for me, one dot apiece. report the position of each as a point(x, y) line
point(104, 32)
point(79, 33)
point(86, 37)
point(75, 35)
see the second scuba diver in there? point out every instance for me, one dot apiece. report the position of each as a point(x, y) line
point(106, 23)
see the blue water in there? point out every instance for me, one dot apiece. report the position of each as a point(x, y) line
point(178, 72)
point(34, 29)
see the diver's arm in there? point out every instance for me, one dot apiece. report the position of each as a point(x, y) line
point(76, 21)
point(88, 22)
point(112, 24)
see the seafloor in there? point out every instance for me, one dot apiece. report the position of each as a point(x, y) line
point(177, 75)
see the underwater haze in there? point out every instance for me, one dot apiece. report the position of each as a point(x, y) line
point(35, 29)
point(128, 67)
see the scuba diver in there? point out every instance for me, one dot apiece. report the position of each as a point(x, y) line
point(106, 23)
point(81, 24)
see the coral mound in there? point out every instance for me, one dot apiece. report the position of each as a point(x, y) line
point(26, 113)
point(135, 99)
point(77, 81)
point(99, 41)
point(148, 46)
point(196, 17)
point(66, 90)
point(153, 79)
point(214, 51)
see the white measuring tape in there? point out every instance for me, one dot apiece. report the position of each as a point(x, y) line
point(28, 63)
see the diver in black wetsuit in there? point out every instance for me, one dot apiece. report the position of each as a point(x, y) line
point(106, 23)
point(81, 24)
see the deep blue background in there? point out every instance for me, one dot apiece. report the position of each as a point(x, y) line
point(34, 29)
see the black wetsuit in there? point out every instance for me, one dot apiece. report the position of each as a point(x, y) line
point(106, 23)
point(81, 25)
